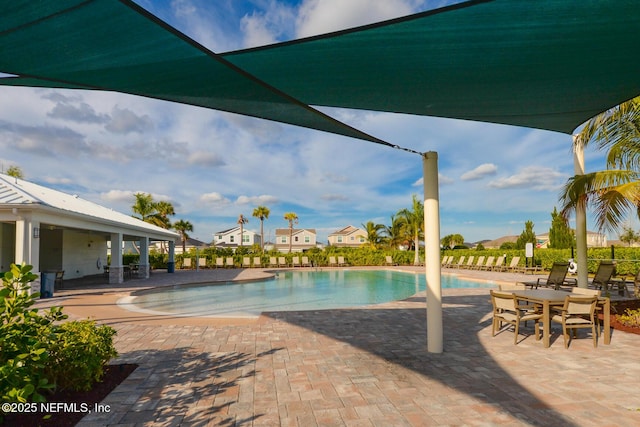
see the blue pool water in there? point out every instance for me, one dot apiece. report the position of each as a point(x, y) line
point(289, 291)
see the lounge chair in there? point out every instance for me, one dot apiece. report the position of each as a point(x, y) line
point(333, 262)
point(448, 262)
point(499, 265)
point(479, 264)
point(578, 312)
point(246, 262)
point(489, 264)
point(202, 263)
point(557, 278)
point(186, 263)
point(295, 261)
point(604, 273)
point(444, 260)
point(469, 264)
point(305, 261)
point(513, 265)
point(460, 263)
point(219, 262)
point(507, 308)
point(388, 260)
point(273, 262)
point(229, 263)
point(282, 262)
point(341, 262)
point(257, 262)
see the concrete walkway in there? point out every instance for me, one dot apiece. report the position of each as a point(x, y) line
point(355, 367)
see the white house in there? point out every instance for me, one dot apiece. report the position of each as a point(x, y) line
point(349, 236)
point(55, 231)
point(301, 239)
point(231, 238)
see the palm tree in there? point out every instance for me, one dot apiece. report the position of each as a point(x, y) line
point(143, 206)
point(293, 219)
point(414, 225)
point(394, 237)
point(182, 227)
point(261, 212)
point(242, 220)
point(373, 233)
point(161, 217)
point(614, 192)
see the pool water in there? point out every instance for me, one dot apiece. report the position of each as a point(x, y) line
point(289, 291)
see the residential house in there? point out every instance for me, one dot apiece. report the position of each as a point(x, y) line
point(349, 236)
point(231, 238)
point(301, 240)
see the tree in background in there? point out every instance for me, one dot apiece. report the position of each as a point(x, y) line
point(293, 219)
point(561, 236)
point(527, 236)
point(394, 237)
point(143, 206)
point(452, 240)
point(629, 236)
point(374, 230)
point(182, 227)
point(262, 213)
point(242, 220)
point(15, 172)
point(414, 225)
point(161, 217)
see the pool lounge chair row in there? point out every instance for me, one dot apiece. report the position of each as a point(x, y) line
point(248, 262)
point(490, 263)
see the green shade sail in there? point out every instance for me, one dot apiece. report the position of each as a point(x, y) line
point(549, 64)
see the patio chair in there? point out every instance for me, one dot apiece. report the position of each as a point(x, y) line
point(557, 277)
point(341, 262)
point(273, 261)
point(507, 308)
point(499, 265)
point(512, 286)
point(604, 273)
point(295, 261)
point(306, 262)
point(513, 265)
point(448, 261)
point(388, 260)
point(489, 264)
point(333, 262)
point(479, 264)
point(186, 263)
point(246, 262)
point(469, 264)
point(578, 312)
point(282, 262)
point(202, 262)
point(229, 263)
point(460, 263)
point(220, 262)
point(257, 262)
point(58, 281)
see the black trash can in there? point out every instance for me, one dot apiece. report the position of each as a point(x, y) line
point(171, 267)
point(47, 282)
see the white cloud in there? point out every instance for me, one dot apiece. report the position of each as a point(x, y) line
point(480, 172)
point(214, 198)
point(533, 178)
point(257, 200)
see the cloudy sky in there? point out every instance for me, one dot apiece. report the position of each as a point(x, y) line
point(214, 166)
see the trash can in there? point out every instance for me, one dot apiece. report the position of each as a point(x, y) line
point(47, 282)
point(171, 267)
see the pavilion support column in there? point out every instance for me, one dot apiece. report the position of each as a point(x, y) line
point(581, 220)
point(143, 269)
point(432, 252)
point(171, 265)
point(116, 268)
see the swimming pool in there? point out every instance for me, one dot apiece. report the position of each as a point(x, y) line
point(288, 291)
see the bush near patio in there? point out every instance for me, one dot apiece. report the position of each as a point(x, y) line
point(627, 259)
point(38, 352)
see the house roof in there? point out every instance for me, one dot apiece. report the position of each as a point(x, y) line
point(285, 231)
point(513, 62)
point(233, 230)
point(350, 229)
point(19, 193)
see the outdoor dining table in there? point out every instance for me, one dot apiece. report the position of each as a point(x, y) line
point(551, 297)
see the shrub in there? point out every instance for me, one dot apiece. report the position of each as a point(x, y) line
point(630, 318)
point(78, 356)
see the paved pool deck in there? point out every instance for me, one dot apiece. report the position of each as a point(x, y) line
point(353, 367)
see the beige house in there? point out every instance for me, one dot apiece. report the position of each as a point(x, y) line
point(231, 238)
point(55, 231)
point(301, 240)
point(349, 236)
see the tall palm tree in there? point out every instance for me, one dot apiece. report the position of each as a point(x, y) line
point(242, 220)
point(414, 225)
point(615, 192)
point(261, 212)
point(373, 233)
point(143, 206)
point(293, 219)
point(182, 226)
point(161, 217)
point(394, 236)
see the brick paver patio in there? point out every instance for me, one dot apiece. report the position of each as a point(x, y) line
point(355, 367)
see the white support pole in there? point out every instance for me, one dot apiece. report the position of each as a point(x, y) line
point(581, 220)
point(432, 251)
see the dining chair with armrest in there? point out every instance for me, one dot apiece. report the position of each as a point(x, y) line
point(577, 312)
point(507, 308)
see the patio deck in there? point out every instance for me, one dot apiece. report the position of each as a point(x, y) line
point(353, 367)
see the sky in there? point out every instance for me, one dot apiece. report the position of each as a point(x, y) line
point(213, 166)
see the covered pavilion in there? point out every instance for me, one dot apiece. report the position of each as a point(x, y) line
point(548, 65)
